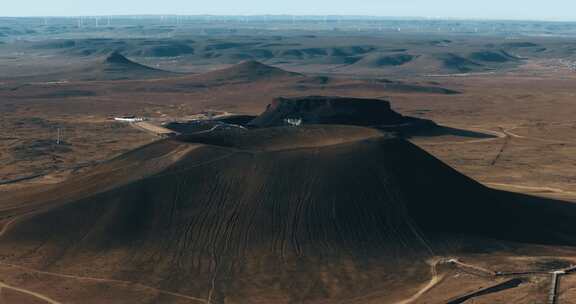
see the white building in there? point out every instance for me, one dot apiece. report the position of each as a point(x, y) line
point(128, 119)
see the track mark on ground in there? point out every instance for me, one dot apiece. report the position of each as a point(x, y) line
point(29, 292)
point(7, 225)
point(474, 268)
point(507, 139)
point(69, 276)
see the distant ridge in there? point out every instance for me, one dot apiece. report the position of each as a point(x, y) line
point(114, 66)
point(250, 70)
point(385, 60)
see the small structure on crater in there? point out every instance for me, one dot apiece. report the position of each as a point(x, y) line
point(333, 110)
point(293, 121)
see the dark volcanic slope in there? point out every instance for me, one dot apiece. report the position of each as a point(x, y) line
point(290, 215)
point(334, 110)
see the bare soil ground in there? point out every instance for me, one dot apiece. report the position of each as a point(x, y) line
point(535, 115)
point(529, 107)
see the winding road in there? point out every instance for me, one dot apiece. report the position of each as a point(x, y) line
point(476, 270)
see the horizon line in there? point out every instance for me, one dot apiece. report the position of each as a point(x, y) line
point(384, 17)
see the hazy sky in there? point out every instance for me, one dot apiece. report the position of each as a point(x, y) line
point(491, 9)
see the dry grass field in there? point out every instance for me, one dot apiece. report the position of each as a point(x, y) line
point(93, 210)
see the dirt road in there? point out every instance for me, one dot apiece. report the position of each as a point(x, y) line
point(120, 282)
point(434, 280)
point(151, 128)
point(29, 292)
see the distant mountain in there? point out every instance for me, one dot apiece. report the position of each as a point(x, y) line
point(248, 71)
point(115, 66)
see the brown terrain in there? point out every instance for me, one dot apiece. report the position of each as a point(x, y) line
point(293, 178)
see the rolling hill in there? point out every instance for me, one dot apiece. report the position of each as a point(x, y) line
point(247, 71)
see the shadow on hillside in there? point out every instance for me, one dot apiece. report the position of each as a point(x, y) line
point(444, 131)
point(533, 219)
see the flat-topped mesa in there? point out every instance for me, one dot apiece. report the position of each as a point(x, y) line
point(332, 110)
